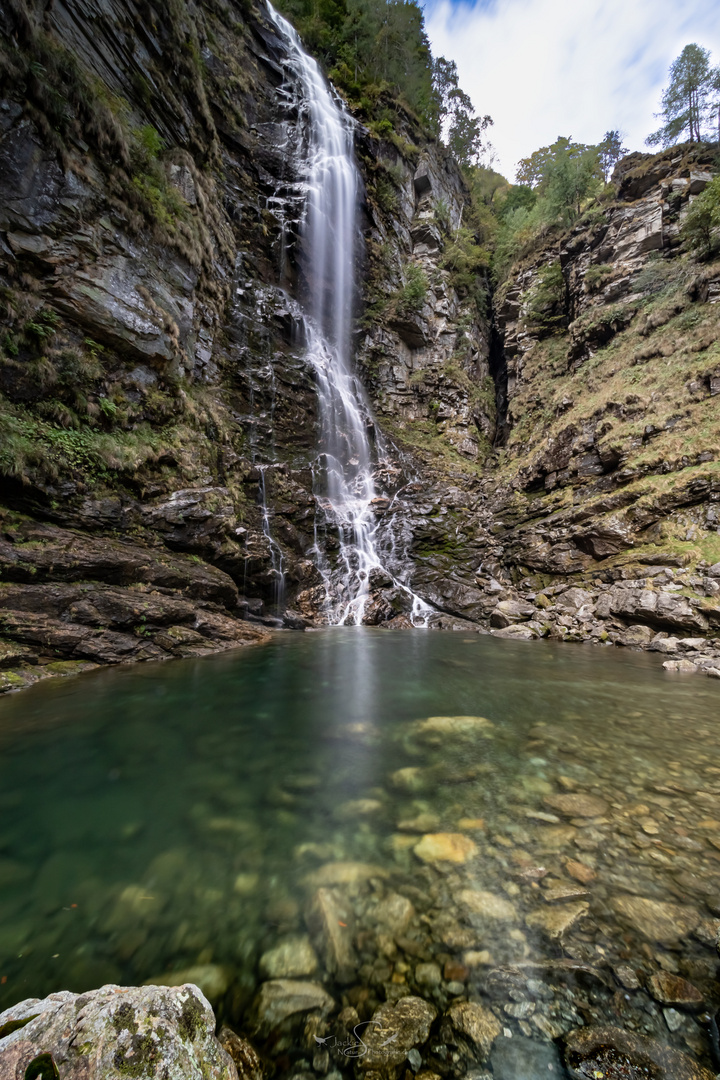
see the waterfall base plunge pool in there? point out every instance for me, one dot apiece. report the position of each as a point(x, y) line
point(463, 804)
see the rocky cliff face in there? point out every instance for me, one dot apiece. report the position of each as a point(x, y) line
point(610, 335)
point(158, 418)
point(426, 355)
point(139, 160)
point(154, 387)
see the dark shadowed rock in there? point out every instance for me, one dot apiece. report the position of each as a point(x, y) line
point(615, 1054)
point(243, 1053)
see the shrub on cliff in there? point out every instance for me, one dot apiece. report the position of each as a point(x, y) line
point(701, 227)
point(546, 308)
point(411, 296)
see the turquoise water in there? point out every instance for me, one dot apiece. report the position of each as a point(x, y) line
point(162, 816)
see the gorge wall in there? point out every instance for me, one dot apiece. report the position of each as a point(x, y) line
point(159, 423)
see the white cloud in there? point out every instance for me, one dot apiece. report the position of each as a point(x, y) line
point(544, 68)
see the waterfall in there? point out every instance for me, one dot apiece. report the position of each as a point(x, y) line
point(345, 484)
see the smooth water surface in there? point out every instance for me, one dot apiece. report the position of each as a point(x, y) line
point(162, 816)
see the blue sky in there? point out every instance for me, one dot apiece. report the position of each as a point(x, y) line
point(544, 68)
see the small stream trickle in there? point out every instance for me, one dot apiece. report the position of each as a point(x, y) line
point(276, 553)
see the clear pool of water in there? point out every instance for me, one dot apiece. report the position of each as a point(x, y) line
point(159, 817)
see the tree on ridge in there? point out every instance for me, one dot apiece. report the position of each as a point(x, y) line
point(611, 150)
point(693, 93)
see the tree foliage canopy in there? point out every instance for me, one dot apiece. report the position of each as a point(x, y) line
point(364, 42)
point(456, 120)
point(611, 150)
point(564, 174)
point(556, 185)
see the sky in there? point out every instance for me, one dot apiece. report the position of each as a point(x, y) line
point(544, 68)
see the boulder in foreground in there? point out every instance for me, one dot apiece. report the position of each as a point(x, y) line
point(116, 1032)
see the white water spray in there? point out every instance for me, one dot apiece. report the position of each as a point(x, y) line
point(331, 184)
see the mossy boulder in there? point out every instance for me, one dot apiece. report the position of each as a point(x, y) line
point(116, 1033)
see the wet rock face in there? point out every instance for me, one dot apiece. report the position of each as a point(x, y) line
point(166, 275)
point(115, 1032)
point(193, 311)
point(426, 360)
point(201, 287)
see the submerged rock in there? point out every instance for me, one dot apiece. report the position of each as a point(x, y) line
point(423, 823)
point(656, 920)
point(114, 1033)
point(446, 847)
point(395, 1030)
point(344, 873)
point(356, 808)
point(579, 871)
point(280, 999)
point(438, 730)
point(615, 1054)
point(577, 805)
point(212, 979)
point(428, 975)
point(395, 912)
point(290, 958)
point(478, 1023)
point(412, 779)
point(329, 918)
point(488, 905)
point(520, 1058)
point(673, 990)
point(554, 921)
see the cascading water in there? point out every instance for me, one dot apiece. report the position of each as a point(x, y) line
point(331, 184)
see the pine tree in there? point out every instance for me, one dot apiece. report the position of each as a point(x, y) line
point(686, 101)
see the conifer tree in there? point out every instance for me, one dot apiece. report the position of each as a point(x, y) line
point(687, 100)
